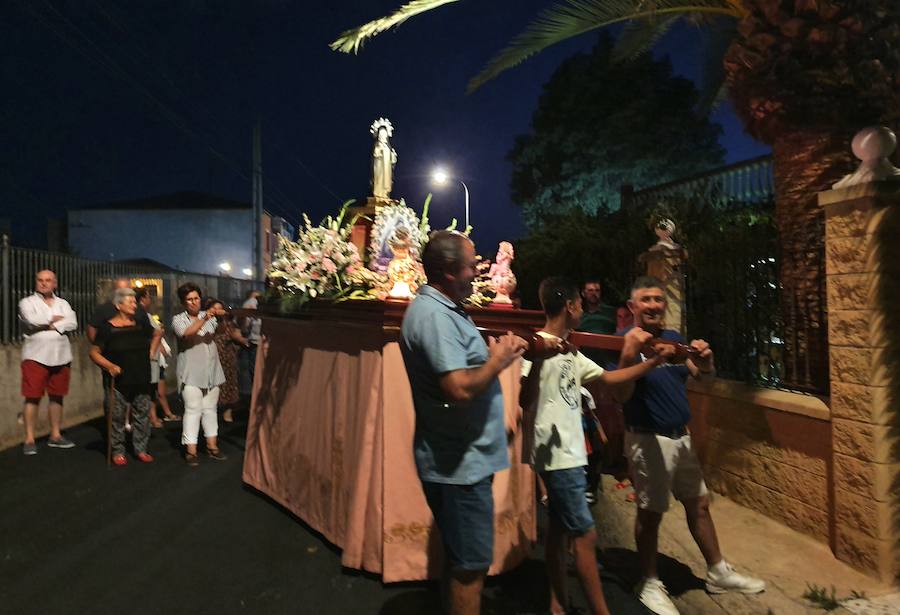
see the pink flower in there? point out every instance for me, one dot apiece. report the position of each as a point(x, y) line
point(328, 265)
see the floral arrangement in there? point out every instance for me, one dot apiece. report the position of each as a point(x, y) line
point(482, 286)
point(322, 263)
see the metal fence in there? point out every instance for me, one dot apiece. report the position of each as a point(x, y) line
point(726, 218)
point(86, 283)
point(738, 184)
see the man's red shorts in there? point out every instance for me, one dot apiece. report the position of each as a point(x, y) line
point(38, 378)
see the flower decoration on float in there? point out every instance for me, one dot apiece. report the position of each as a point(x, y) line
point(322, 264)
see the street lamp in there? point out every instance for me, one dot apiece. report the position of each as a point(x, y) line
point(441, 177)
point(247, 271)
point(225, 267)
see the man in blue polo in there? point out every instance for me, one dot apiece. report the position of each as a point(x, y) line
point(660, 455)
point(460, 439)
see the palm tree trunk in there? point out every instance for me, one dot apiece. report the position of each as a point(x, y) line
point(806, 163)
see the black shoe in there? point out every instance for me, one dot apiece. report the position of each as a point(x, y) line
point(216, 454)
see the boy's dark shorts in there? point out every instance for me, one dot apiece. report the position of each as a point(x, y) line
point(465, 516)
point(567, 504)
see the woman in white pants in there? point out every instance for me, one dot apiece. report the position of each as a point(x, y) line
point(199, 373)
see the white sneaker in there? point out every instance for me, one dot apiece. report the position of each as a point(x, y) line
point(653, 595)
point(730, 580)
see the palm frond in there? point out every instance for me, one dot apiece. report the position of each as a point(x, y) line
point(639, 36)
point(351, 40)
point(573, 17)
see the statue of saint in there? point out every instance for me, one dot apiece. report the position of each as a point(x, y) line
point(383, 159)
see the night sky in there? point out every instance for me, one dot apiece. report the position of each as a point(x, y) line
point(101, 103)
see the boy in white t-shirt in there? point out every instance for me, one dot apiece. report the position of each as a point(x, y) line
point(554, 439)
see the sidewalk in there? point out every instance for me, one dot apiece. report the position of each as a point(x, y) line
point(755, 544)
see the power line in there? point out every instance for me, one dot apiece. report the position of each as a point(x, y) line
point(101, 58)
point(291, 156)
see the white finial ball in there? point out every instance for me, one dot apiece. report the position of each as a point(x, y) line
point(874, 143)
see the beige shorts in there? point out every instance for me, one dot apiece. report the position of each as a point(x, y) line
point(661, 465)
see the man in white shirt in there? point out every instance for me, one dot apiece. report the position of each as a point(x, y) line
point(46, 357)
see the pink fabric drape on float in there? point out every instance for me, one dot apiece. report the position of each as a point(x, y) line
point(330, 438)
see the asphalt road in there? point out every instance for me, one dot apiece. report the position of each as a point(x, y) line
point(77, 537)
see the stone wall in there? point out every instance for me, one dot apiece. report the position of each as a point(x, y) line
point(767, 450)
point(84, 402)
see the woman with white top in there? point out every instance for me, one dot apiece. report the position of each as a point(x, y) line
point(158, 364)
point(199, 372)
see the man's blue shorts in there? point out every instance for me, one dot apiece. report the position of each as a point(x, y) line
point(567, 504)
point(465, 516)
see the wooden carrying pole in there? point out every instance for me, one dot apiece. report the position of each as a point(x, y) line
point(110, 405)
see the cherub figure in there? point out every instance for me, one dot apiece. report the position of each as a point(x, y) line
point(502, 278)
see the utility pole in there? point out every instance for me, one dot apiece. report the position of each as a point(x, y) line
point(258, 261)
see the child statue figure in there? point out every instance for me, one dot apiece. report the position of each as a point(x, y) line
point(502, 278)
point(403, 271)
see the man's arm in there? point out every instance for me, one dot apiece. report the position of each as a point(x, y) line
point(68, 321)
point(463, 385)
point(634, 341)
point(32, 322)
point(703, 364)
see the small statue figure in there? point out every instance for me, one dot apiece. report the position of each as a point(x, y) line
point(502, 278)
point(403, 271)
point(384, 157)
point(664, 230)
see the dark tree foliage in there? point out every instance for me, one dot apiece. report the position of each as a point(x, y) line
point(581, 245)
point(600, 125)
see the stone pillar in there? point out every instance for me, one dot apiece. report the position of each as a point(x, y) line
point(666, 264)
point(862, 250)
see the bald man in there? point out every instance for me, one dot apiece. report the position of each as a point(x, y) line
point(46, 357)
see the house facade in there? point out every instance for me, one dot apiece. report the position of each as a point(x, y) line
point(187, 231)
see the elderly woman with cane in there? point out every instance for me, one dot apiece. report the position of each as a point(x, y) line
point(123, 346)
point(199, 372)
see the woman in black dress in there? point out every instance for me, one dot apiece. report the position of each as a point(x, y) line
point(123, 347)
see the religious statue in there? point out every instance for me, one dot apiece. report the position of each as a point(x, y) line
point(383, 159)
point(404, 272)
point(664, 230)
point(503, 280)
point(665, 261)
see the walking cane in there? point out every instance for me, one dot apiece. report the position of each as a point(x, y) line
point(111, 404)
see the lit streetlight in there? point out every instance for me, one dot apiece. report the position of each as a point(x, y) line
point(440, 177)
point(225, 267)
point(247, 271)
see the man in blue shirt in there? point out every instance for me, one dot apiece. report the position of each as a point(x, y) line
point(460, 439)
point(661, 457)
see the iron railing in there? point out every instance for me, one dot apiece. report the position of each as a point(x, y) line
point(742, 183)
point(86, 283)
point(732, 294)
